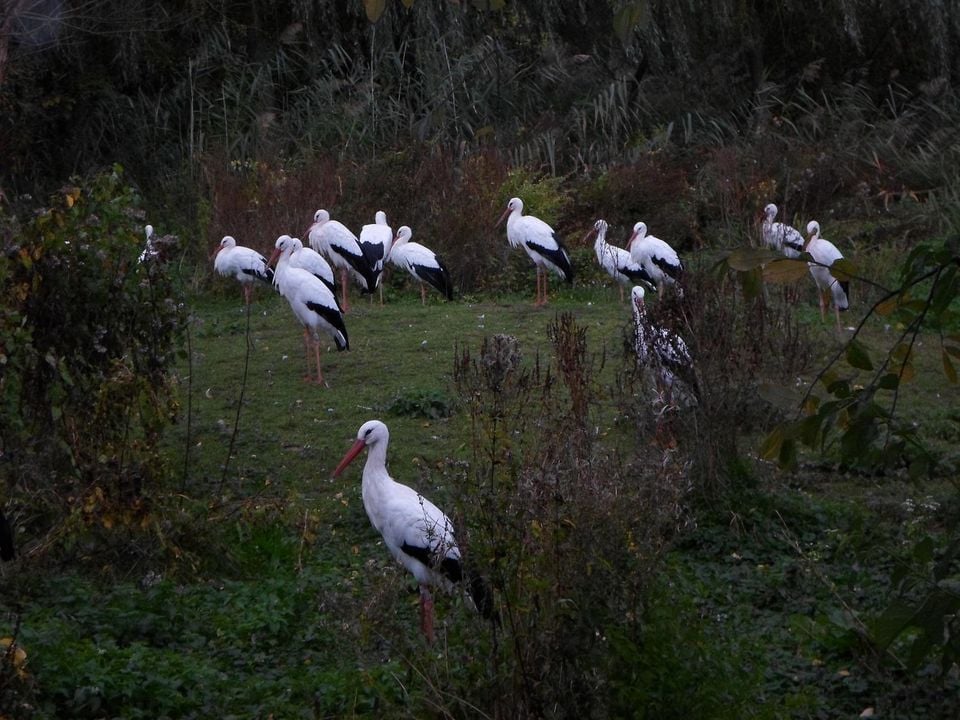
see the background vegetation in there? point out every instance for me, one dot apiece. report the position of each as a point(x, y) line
point(787, 548)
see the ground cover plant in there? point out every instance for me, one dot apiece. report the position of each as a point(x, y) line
point(784, 547)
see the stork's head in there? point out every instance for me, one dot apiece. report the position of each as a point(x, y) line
point(514, 206)
point(372, 432)
point(283, 246)
point(770, 212)
point(403, 235)
point(227, 242)
point(599, 229)
point(380, 218)
point(813, 229)
point(639, 231)
point(637, 296)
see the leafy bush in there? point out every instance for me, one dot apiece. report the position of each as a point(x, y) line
point(88, 336)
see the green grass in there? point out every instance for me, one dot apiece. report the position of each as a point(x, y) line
point(281, 600)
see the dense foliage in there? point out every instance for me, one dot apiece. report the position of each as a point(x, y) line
point(647, 561)
point(88, 337)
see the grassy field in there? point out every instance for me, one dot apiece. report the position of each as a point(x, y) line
point(265, 592)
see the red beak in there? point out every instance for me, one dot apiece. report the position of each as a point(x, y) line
point(217, 249)
point(633, 237)
point(352, 453)
point(502, 218)
point(586, 237)
point(276, 254)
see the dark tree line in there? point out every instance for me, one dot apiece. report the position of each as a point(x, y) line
point(156, 85)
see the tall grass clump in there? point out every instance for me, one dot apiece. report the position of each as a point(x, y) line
point(568, 531)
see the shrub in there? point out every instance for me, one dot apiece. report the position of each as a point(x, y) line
point(87, 338)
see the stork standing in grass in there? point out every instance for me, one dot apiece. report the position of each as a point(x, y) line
point(655, 256)
point(829, 288)
point(342, 248)
point(313, 304)
point(616, 261)
point(246, 265)
point(425, 265)
point(664, 351)
point(417, 533)
point(540, 242)
point(375, 241)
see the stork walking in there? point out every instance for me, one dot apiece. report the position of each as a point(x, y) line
point(655, 256)
point(425, 265)
point(830, 290)
point(616, 261)
point(342, 248)
point(245, 265)
point(417, 533)
point(541, 243)
point(313, 304)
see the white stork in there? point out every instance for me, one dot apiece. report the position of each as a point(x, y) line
point(825, 254)
point(662, 350)
point(342, 249)
point(421, 262)
point(150, 249)
point(242, 263)
point(780, 236)
point(541, 243)
point(312, 302)
point(375, 241)
point(617, 261)
point(655, 256)
point(313, 262)
point(418, 534)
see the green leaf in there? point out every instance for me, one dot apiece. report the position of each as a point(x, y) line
point(923, 550)
point(843, 269)
point(770, 448)
point(375, 9)
point(857, 356)
point(743, 259)
point(948, 369)
point(785, 270)
point(889, 381)
point(632, 15)
point(893, 621)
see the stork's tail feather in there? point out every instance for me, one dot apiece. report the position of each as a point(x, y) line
point(841, 294)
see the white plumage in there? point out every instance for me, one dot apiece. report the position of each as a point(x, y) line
point(616, 261)
point(313, 262)
point(375, 241)
point(541, 243)
point(342, 248)
point(312, 302)
point(421, 262)
point(245, 265)
point(417, 533)
point(780, 236)
point(662, 350)
point(825, 254)
point(655, 256)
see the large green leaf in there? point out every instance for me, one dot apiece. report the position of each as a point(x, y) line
point(858, 356)
point(375, 9)
point(785, 270)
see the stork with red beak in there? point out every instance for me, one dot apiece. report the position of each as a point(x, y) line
point(541, 243)
point(417, 533)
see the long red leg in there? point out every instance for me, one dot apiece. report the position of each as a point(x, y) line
point(316, 350)
point(426, 614)
point(343, 286)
